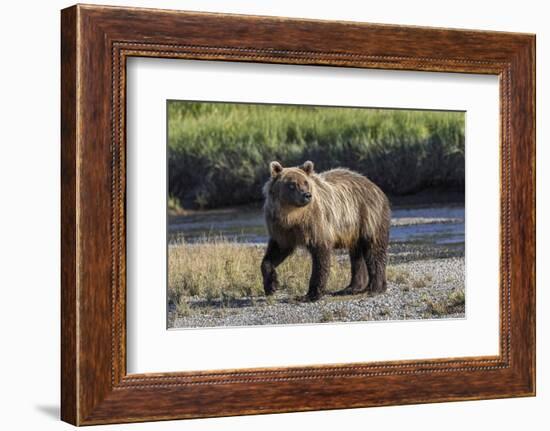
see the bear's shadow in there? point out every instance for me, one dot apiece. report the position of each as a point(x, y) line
point(243, 302)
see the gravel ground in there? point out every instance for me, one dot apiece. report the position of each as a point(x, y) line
point(418, 288)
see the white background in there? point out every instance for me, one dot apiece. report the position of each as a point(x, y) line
point(29, 228)
point(151, 348)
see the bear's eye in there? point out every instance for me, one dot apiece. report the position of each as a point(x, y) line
point(292, 186)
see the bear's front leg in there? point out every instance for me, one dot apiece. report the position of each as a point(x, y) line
point(274, 256)
point(320, 270)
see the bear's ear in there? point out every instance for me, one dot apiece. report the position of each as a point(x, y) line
point(307, 167)
point(276, 168)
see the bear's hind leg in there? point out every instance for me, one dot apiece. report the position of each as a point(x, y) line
point(359, 276)
point(375, 257)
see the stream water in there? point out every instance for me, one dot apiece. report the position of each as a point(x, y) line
point(429, 225)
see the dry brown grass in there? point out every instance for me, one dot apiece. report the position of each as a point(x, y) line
point(454, 303)
point(423, 281)
point(217, 269)
point(404, 278)
point(397, 275)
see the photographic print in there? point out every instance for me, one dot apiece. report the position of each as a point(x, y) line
point(288, 214)
point(261, 203)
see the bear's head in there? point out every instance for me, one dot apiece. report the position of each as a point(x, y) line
point(292, 186)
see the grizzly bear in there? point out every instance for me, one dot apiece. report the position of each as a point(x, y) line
point(321, 212)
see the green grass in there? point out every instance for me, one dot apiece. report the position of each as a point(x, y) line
point(218, 153)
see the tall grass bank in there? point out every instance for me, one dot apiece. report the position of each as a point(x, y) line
point(218, 153)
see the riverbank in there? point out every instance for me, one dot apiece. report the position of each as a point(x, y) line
point(423, 289)
point(214, 277)
point(245, 224)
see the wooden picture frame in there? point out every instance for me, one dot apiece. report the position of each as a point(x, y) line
point(95, 43)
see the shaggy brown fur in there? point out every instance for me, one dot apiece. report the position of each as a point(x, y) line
point(335, 209)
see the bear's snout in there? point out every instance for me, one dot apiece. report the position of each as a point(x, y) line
point(306, 197)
